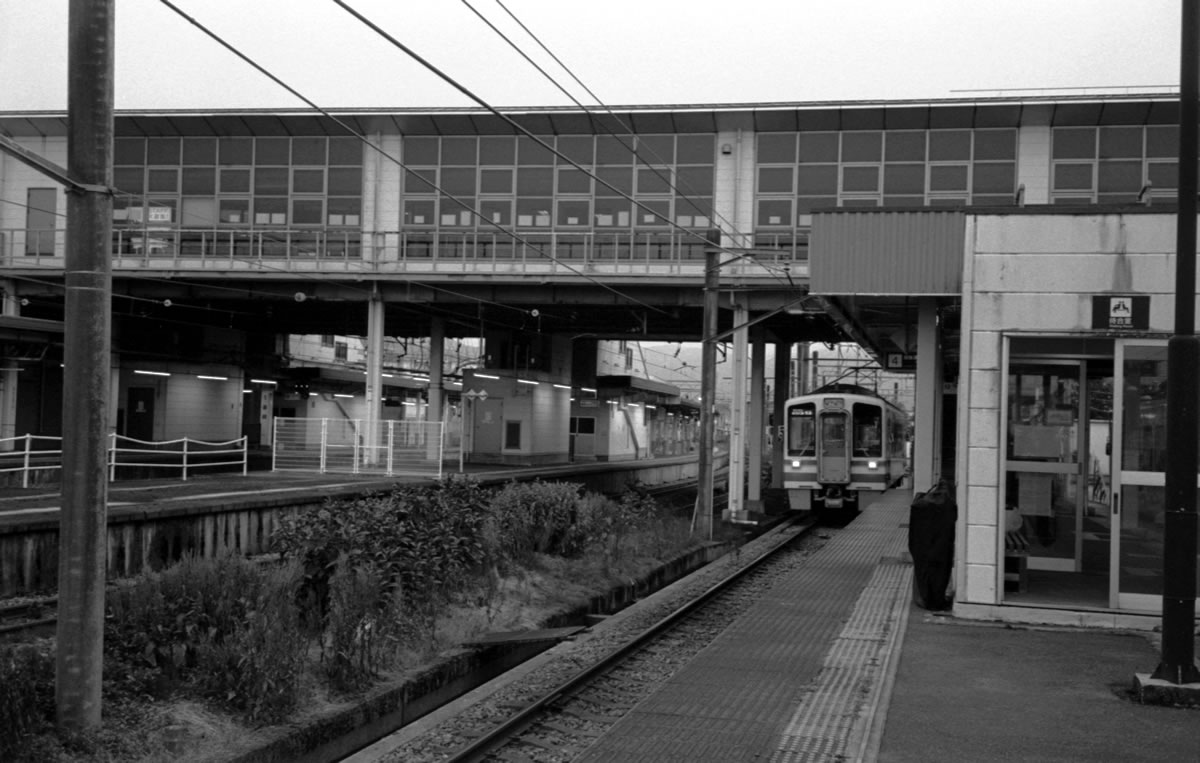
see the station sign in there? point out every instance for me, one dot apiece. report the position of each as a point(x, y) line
point(1121, 312)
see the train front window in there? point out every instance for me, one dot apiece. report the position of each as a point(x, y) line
point(801, 428)
point(833, 434)
point(868, 424)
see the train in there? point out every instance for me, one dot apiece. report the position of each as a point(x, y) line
point(839, 441)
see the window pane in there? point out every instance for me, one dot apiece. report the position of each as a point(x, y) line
point(1072, 177)
point(1074, 143)
point(271, 182)
point(653, 180)
point(272, 151)
point(695, 149)
point(497, 150)
point(495, 181)
point(1162, 141)
point(420, 181)
point(344, 211)
point(457, 211)
point(346, 151)
point(235, 181)
point(861, 146)
point(530, 152)
point(571, 180)
point(200, 151)
point(818, 147)
point(129, 151)
point(620, 178)
point(948, 177)
point(421, 151)
point(235, 150)
point(308, 151)
point(775, 180)
point(308, 181)
point(777, 148)
point(163, 181)
point(612, 213)
point(821, 180)
point(577, 148)
point(995, 178)
point(129, 179)
point(162, 151)
point(458, 181)
point(904, 179)
point(534, 212)
point(995, 144)
point(614, 150)
point(535, 181)
point(905, 146)
point(496, 211)
point(235, 211)
point(270, 211)
point(1163, 174)
point(574, 212)
point(860, 179)
point(656, 149)
point(459, 152)
point(308, 211)
point(1120, 177)
point(775, 212)
point(418, 212)
point(949, 145)
point(1120, 142)
point(200, 181)
point(806, 204)
point(694, 180)
point(345, 181)
point(652, 213)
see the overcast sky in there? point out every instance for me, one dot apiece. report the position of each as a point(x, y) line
point(628, 52)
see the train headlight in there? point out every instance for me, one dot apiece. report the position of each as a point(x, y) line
point(873, 464)
point(795, 464)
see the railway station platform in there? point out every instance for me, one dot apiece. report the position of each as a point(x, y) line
point(838, 664)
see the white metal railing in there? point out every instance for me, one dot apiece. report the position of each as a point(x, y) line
point(348, 445)
point(33, 453)
point(342, 249)
point(30, 453)
point(184, 453)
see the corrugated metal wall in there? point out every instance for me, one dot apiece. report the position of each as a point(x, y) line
point(902, 252)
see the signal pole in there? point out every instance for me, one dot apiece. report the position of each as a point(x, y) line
point(86, 361)
point(702, 523)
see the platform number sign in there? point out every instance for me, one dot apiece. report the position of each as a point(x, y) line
point(1121, 312)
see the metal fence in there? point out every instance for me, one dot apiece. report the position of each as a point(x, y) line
point(350, 446)
point(29, 454)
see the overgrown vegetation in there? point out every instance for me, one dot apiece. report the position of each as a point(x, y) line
point(362, 589)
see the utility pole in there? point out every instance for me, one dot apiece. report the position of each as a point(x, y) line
point(702, 524)
point(1183, 360)
point(86, 361)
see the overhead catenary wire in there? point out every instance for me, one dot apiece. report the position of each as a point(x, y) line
point(351, 131)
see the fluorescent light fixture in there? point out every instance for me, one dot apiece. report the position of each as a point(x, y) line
point(561, 386)
point(151, 373)
point(651, 407)
point(263, 381)
point(409, 402)
point(455, 382)
point(212, 378)
point(526, 381)
point(247, 392)
point(587, 389)
point(340, 394)
point(486, 376)
point(387, 376)
point(612, 402)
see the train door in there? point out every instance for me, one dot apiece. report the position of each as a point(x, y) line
point(833, 461)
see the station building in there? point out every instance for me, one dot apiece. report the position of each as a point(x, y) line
point(1015, 255)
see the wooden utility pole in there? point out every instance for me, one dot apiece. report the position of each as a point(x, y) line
point(86, 361)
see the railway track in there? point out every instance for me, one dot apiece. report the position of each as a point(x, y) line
point(27, 618)
point(555, 711)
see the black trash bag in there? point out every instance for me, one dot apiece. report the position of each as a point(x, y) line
point(931, 521)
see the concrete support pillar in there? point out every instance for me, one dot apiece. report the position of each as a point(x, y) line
point(437, 352)
point(372, 439)
point(754, 429)
point(8, 375)
point(738, 413)
point(783, 386)
point(927, 433)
